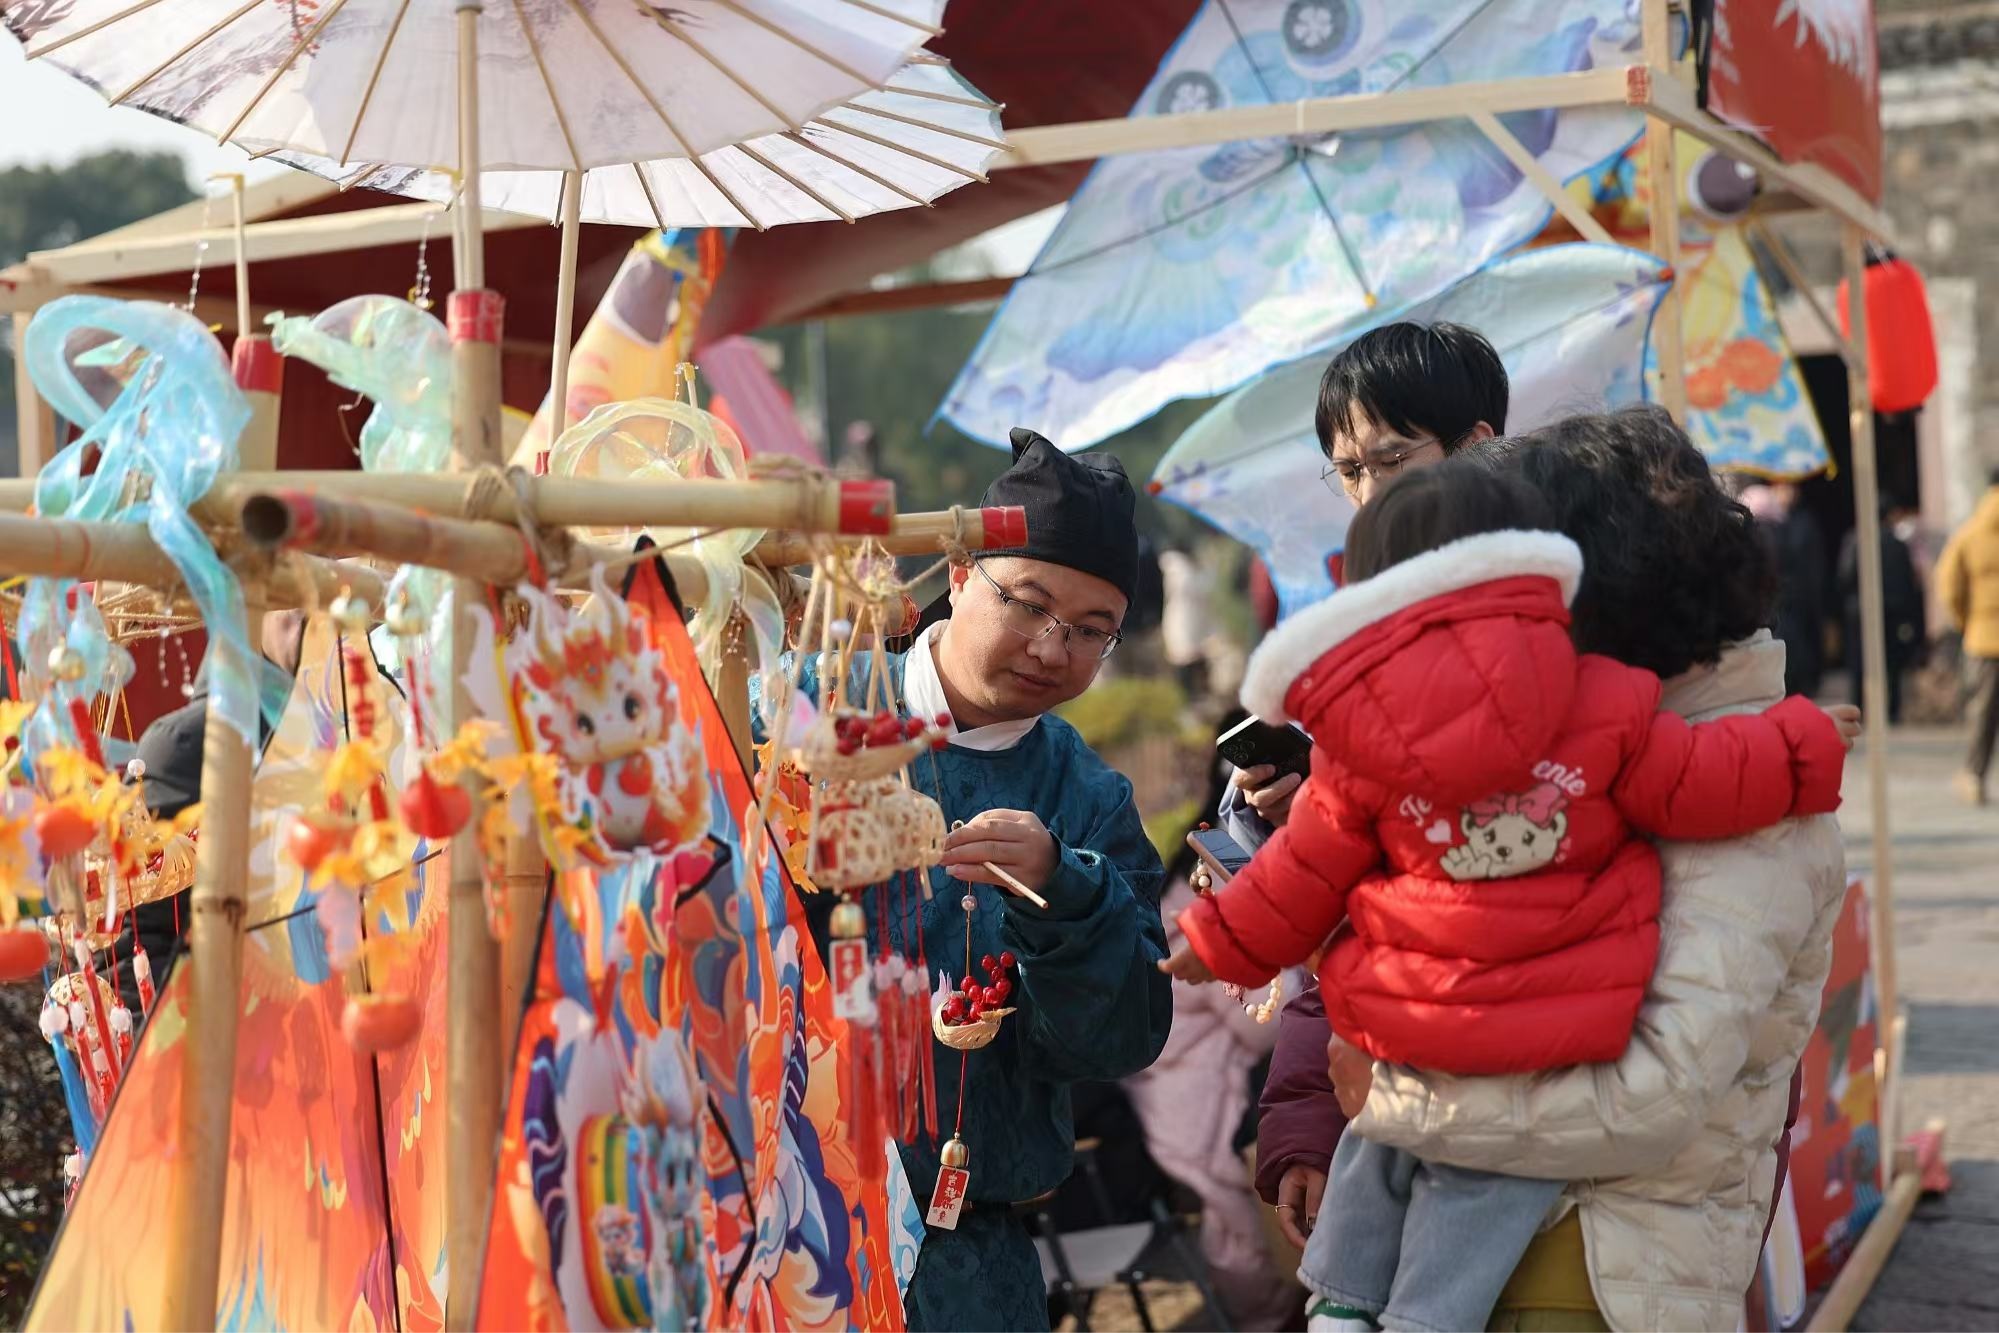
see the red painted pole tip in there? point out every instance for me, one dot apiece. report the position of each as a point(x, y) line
point(867, 507)
point(477, 316)
point(1006, 526)
point(256, 365)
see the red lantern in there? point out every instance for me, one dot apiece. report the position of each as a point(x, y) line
point(1901, 343)
point(434, 811)
point(62, 830)
point(24, 952)
point(373, 1023)
point(309, 842)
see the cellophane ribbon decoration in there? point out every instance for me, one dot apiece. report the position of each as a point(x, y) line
point(660, 439)
point(170, 426)
point(399, 356)
point(396, 354)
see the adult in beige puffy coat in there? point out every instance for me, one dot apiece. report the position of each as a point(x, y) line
point(1673, 1147)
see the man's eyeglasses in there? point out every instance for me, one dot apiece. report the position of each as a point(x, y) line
point(1034, 622)
point(1344, 474)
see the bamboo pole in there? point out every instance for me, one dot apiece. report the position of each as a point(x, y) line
point(794, 504)
point(199, 1191)
point(526, 896)
point(732, 688)
point(487, 553)
point(126, 553)
point(999, 526)
point(1873, 622)
point(1863, 1266)
point(35, 429)
point(1663, 172)
point(474, 1096)
point(260, 373)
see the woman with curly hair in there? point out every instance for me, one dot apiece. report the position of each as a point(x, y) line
point(1675, 1145)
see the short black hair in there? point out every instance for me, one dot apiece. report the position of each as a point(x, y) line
point(1673, 570)
point(1457, 498)
point(1413, 379)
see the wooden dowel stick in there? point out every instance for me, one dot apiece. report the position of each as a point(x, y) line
point(565, 304)
point(1011, 882)
point(1663, 172)
point(1873, 634)
point(200, 1183)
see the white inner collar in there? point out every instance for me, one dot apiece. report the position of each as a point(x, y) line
point(923, 694)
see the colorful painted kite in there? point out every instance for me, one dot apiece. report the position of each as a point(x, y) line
point(673, 1153)
point(335, 1214)
point(1186, 273)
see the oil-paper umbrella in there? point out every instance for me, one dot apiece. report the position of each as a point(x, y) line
point(1570, 323)
point(923, 134)
point(563, 84)
point(1187, 272)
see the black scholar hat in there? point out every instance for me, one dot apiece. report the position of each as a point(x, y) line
point(1081, 513)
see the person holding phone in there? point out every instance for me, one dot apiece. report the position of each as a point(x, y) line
point(1397, 399)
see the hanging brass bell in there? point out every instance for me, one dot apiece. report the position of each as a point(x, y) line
point(850, 922)
point(956, 1155)
point(66, 663)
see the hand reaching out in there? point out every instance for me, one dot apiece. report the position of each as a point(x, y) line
point(1186, 965)
point(1847, 718)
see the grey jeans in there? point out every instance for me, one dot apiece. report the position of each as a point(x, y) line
point(1418, 1245)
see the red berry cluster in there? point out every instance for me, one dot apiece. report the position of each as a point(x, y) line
point(852, 734)
point(973, 1001)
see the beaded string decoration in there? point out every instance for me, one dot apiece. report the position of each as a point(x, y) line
point(966, 1017)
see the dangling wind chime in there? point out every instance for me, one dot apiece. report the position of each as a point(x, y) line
point(358, 846)
point(869, 829)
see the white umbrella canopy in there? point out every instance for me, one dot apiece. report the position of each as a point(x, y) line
point(924, 134)
point(563, 84)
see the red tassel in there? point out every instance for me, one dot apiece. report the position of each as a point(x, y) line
point(86, 732)
point(868, 1134)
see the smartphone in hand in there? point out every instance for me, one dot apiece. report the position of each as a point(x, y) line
point(1254, 742)
point(1222, 855)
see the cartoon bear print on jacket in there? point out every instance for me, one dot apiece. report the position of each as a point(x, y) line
point(1508, 835)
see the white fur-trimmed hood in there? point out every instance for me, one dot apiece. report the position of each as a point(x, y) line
point(1295, 645)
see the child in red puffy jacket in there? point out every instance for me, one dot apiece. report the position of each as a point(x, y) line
point(1478, 813)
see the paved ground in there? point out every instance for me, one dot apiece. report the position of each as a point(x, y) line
point(1945, 1272)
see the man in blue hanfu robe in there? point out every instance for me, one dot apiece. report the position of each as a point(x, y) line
point(1020, 632)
